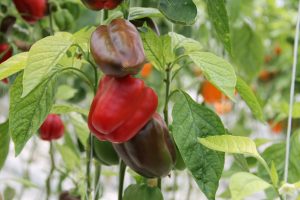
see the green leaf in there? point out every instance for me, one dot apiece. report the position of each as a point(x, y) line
point(284, 107)
point(67, 108)
point(140, 12)
point(82, 37)
point(27, 114)
point(188, 44)
point(9, 193)
point(65, 92)
point(42, 59)
point(274, 174)
point(249, 97)
point(276, 154)
point(13, 65)
point(4, 143)
point(179, 11)
point(190, 121)
point(142, 192)
point(247, 51)
point(158, 50)
point(81, 127)
point(243, 184)
point(69, 157)
point(217, 71)
point(218, 15)
point(231, 144)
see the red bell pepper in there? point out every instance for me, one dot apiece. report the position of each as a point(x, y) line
point(121, 107)
point(31, 10)
point(52, 128)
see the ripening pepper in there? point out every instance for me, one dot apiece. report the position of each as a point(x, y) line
point(31, 10)
point(117, 48)
point(121, 107)
point(101, 4)
point(104, 152)
point(5, 53)
point(151, 152)
point(52, 128)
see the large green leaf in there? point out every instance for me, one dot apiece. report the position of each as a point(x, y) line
point(249, 97)
point(142, 192)
point(231, 144)
point(4, 143)
point(192, 120)
point(13, 65)
point(217, 70)
point(218, 15)
point(179, 11)
point(243, 184)
point(42, 59)
point(158, 49)
point(27, 114)
point(188, 44)
point(247, 51)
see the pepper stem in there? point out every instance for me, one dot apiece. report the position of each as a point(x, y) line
point(121, 179)
point(48, 181)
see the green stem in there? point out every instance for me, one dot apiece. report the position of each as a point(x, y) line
point(89, 155)
point(121, 179)
point(159, 183)
point(48, 181)
point(167, 82)
point(97, 180)
point(125, 8)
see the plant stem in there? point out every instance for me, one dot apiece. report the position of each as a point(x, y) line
point(167, 82)
point(97, 180)
point(89, 155)
point(121, 179)
point(48, 181)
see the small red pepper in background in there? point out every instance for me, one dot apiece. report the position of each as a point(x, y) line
point(52, 128)
point(147, 70)
point(5, 53)
point(117, 48)
point(101, 4)
point(151, 152)
point(121, 107)
point(31, 10)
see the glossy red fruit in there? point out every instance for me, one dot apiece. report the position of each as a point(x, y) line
point(52, 128)
point(121, 107)
point(5, 53)
point(101, 4)
point(31, 10)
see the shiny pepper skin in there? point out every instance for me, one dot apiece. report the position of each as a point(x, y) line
point(31, 10)
point(101, 4)
point(104, 152)
point(117, 48)
point(151, 152)
point(121, 107)
point(5, 53)
point(52, 128)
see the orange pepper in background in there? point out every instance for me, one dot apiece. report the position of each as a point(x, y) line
point(276, 128)
point(265, 75)
point(223, 107)
point(147, 69)
point(210, 93)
